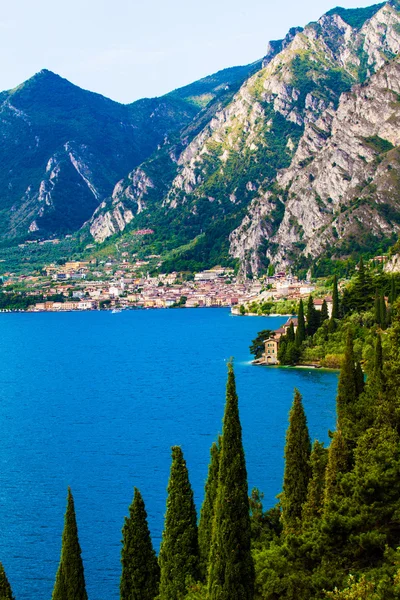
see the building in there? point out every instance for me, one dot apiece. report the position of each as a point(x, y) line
point(271, 351)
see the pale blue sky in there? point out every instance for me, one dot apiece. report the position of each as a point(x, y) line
point(127, 49)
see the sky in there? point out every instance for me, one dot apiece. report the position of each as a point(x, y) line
point(126, 49)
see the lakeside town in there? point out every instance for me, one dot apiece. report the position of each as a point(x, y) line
point(111, 284)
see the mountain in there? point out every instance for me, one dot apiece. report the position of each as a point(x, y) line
point(64, 148)
point(240, 188)
point(288, 160)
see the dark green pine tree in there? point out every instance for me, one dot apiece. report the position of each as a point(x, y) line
point(5, 587)
point(140, 571)
point(179, 552)
point(335, 299)
point(231, 570)
point(301, 325)
point(207, 510)
point(312, 317)
point(347, 389)
point(70, 579)
point(297, 467)
point(324, 315)
point(313, 507)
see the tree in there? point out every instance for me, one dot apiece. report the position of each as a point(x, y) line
point(179, 552)
point(377, 308)
point(297, 467)
point(338, 461)
point(324, 316)
point(383, 312)
point(140, 570)
point(314, 504)
point(347, 388)
point(70, 579)
point(207, 510)
point(231, 569)
point(5, 587)
point(257, 347)
point(393, 290)
point(335, 299)
point(360, 384)
point(301, 325)
point(312, 317)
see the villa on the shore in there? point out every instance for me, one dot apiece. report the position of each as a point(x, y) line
point(272, 343)
point(270, 356)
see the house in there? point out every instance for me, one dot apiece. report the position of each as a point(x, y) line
point(329, 303)
point(271, 351)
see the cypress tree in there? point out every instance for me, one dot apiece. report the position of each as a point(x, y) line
point(179, 552)
point(5, 587)
point(377, 308)
point(383, 312)
point(301, 326)
point(231, 569)
point(338, 460)
point(393, 290)
point(324, 316)
point(347, 388)
point(290, 333)
point(70, 579)
point(312, 317)
point(313, 506)
point(140, 570)
point(297, 467)
point(360, 384)
point(207, 510)
point(335, 299)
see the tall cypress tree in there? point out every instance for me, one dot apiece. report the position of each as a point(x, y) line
point(324, 312)
point(335, 299)
point(179, 552)
point(297, 467)
point(301, 325)
point(383, 312)
point(347, 388)
point(5, 587)
point(231, 569)
point(360, 384)
point(70, 579)
point(208, 510)
point(314, 504)
point(377, 308)
point(338, 463)
point(393, 290)
point(312, 317)
point(140, 570)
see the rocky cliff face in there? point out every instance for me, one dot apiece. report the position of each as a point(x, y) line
point(342, 185)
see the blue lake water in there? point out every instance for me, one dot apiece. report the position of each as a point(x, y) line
point(96, 400)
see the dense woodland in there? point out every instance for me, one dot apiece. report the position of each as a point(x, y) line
point(335, 530)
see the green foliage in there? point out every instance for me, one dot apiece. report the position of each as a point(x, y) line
point(257, 347)
point(379, 144)
point(347, 388)
point(313, 506)
point(297, 467)
point(70, 580)
point(207, 512)
point(5, 587)
point(231, 568)
point(301, 325)
point(356, 17)
point(140, 570)
point(179, 552)
point(313, 317)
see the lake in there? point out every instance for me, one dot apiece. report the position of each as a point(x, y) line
point(96, 400)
